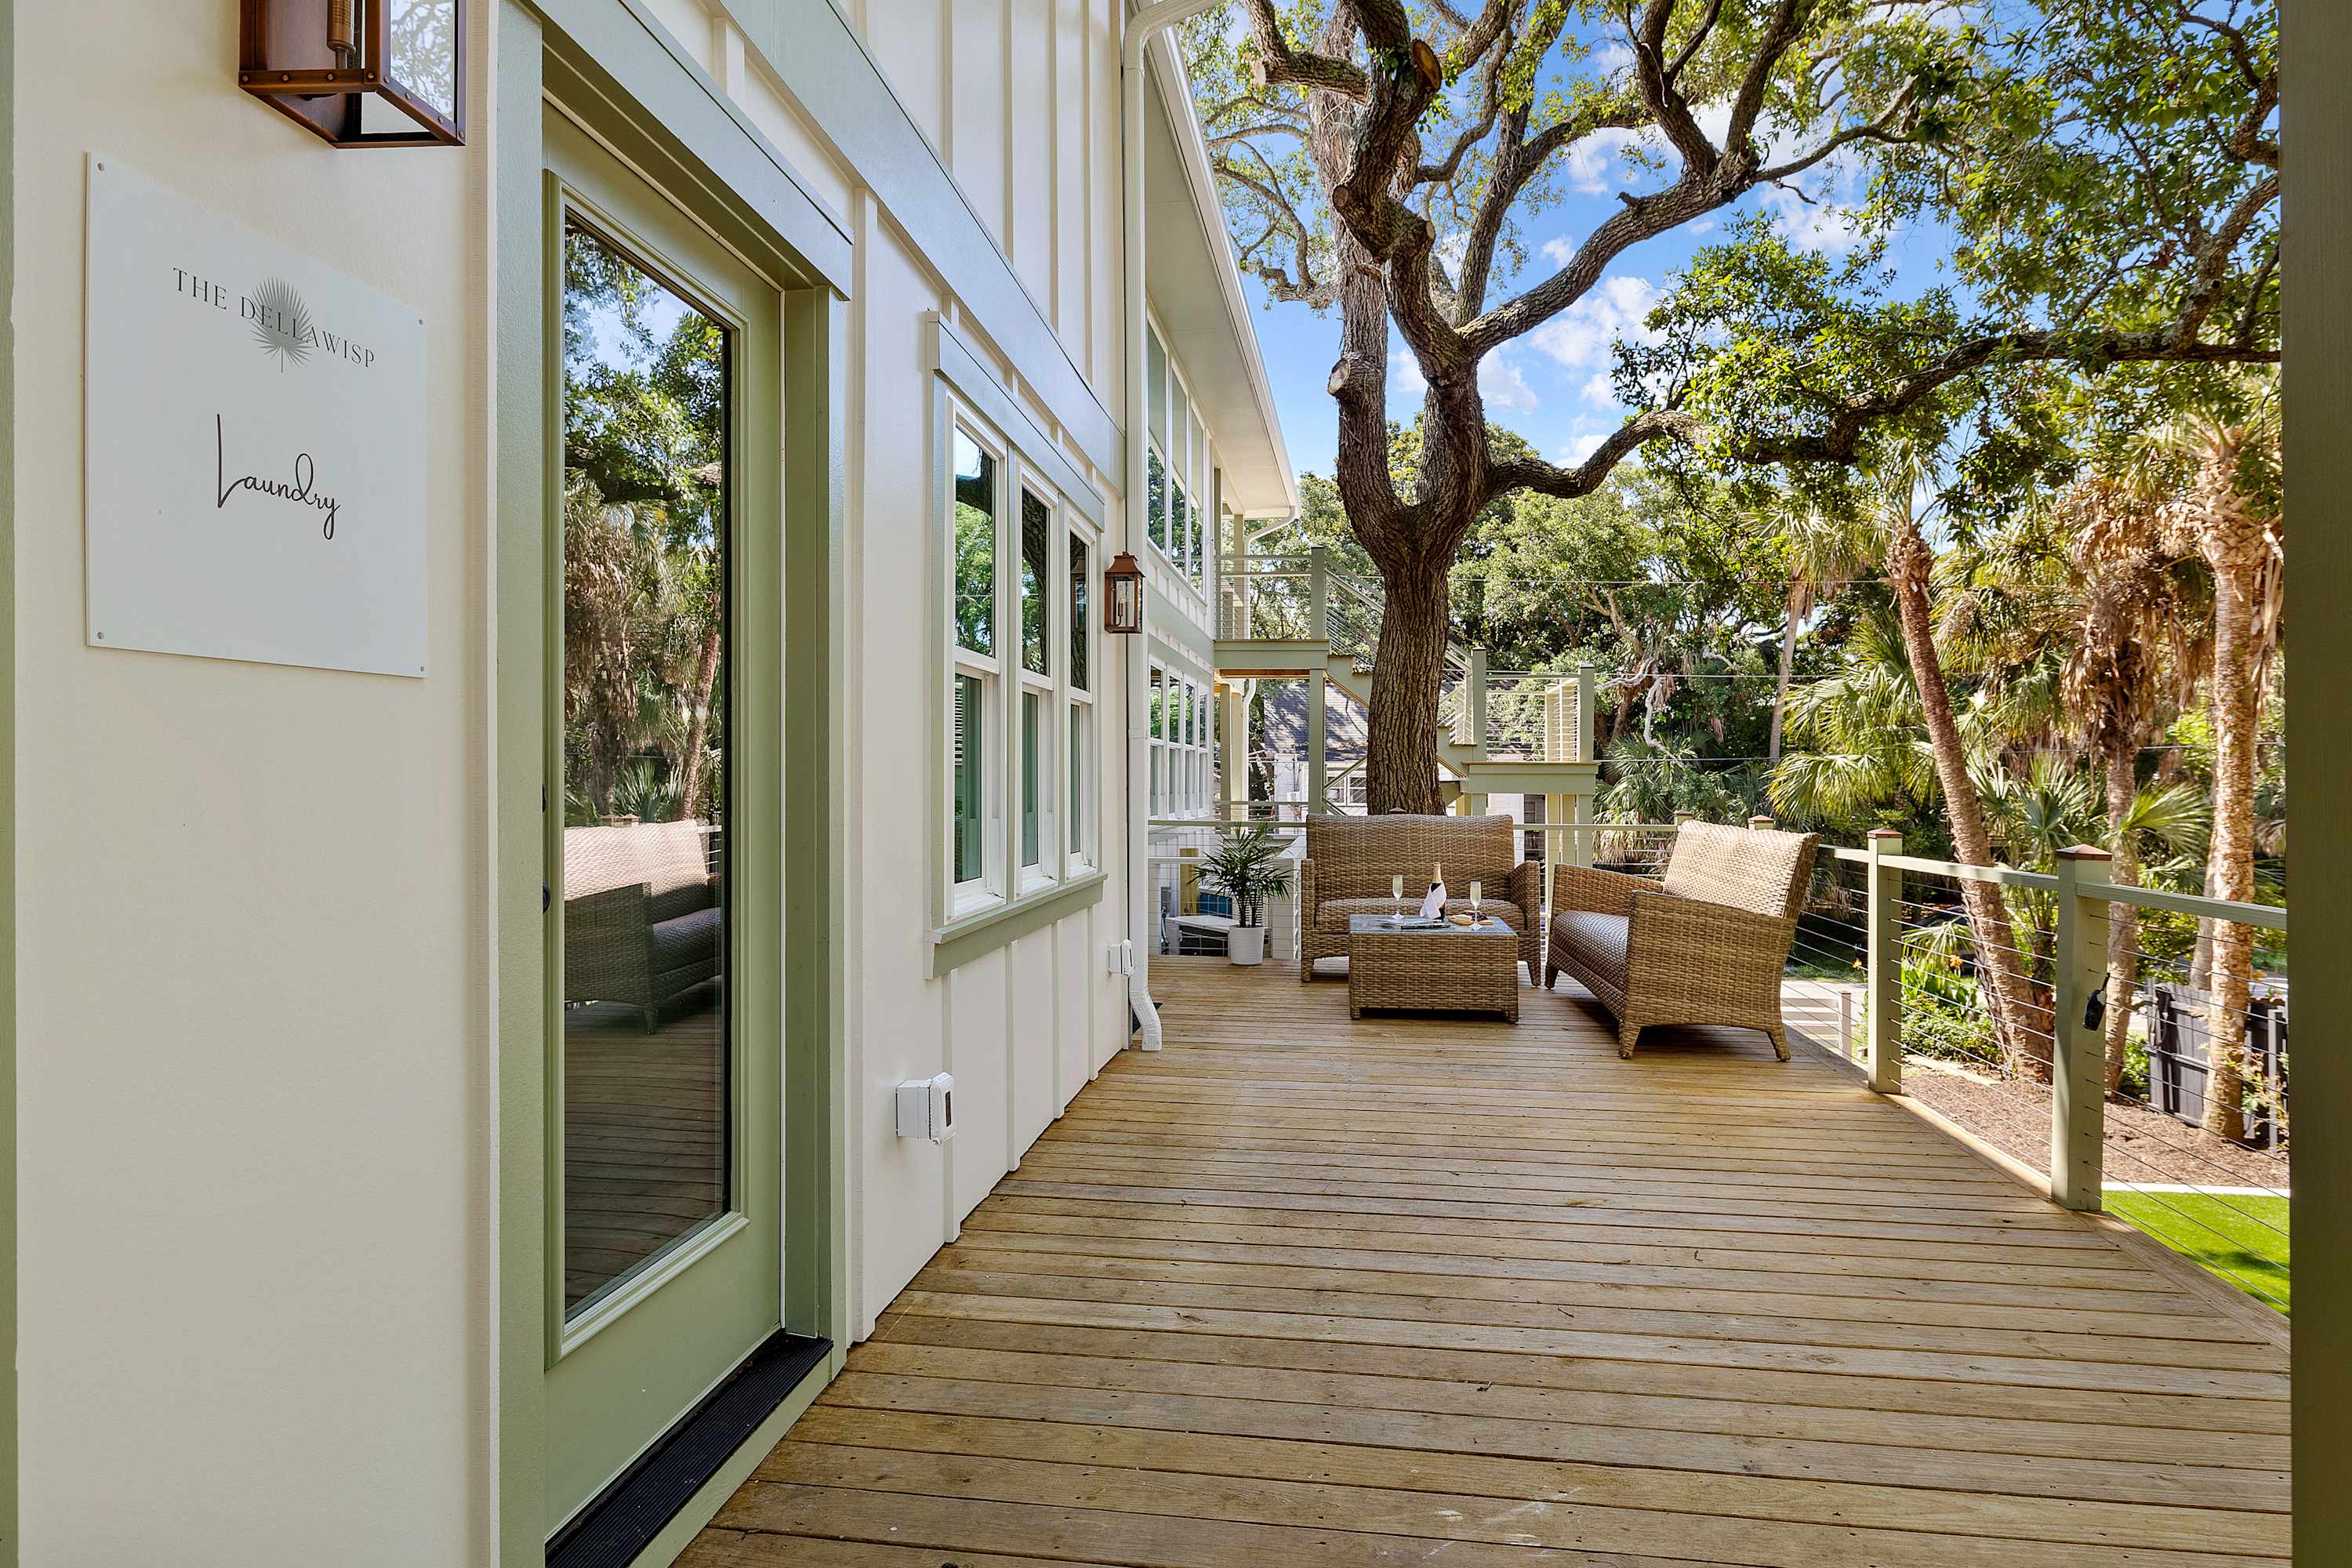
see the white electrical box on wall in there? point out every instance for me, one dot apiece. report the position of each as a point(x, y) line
point(927, 1108)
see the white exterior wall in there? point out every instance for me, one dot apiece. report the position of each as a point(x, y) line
point(1023, 1028)
point(257, 1077)
point(256, 1264)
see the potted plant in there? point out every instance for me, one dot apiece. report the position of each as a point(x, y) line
point(1248, 867)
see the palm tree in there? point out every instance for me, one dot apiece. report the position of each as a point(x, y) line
point(2133, 660)
point(1863, 737)
point(1901, 521)
point(1824, 549)
point(2220, 467)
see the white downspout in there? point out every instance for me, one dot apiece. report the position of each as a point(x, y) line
point(1141, 925)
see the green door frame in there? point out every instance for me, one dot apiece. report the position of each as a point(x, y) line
point(613, 70)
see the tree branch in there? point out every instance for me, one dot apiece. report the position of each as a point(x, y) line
point(1279, 65)
point(1548, 478)
point(1891, 128)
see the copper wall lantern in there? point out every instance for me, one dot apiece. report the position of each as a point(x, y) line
point(360, 73)
point(1123, 594)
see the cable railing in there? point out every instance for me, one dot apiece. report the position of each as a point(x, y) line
point(1267, 597)
point(2103, 1071)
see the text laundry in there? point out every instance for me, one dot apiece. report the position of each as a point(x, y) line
point(302, 488)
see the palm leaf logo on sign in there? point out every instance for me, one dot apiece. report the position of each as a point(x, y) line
point(281, 322)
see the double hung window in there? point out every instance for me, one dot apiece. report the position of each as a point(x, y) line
point(1020, 677)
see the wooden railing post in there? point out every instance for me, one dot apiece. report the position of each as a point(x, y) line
point(1317, 717)
point(1584, 714)
point(2078, 1081)
point(1883, 964)
point(1319, 594)
point(1473, 707)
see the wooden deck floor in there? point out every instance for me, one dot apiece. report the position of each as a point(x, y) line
point(1295, 1292)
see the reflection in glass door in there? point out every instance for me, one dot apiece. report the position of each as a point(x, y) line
point(645, 743)
point(664, 821)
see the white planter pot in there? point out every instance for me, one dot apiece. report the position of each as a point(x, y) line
point(1246, 944)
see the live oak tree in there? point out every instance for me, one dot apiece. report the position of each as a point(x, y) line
point(2107, 171)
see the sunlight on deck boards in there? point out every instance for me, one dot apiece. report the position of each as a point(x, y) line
point(1297, 1291)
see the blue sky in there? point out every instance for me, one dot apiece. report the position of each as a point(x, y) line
point(1553, 385)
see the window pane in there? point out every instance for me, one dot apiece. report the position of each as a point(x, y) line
point(970, 771)
point(1036, 560)
point(1195, 557)
point(1156, 363)
point(1156, 515)
point(1158, 707)
point(1077, 810)
point(1031, 742)
point(975, 540)
point(1081, 601)
point(647, 668)
point(1176, 507)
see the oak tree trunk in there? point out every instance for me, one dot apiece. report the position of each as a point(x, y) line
point(2023, 1027)
point(1408, 671)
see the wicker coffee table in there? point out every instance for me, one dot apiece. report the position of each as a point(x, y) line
point(1458, 968)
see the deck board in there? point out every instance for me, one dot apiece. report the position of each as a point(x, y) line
point(1294, 1290)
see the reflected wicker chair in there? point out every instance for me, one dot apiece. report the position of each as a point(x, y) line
point(1351, 862)
point(1705, 945)
point(641, 915)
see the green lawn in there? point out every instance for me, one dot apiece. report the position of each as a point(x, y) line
point(2251, 1251)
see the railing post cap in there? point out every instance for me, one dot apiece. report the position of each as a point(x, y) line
point(2085, 852)
point(1885, 833)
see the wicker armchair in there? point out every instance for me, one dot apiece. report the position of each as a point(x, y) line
point(1705, 945)
point(1351, 860)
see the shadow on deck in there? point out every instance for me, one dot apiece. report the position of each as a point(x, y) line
point(1294, 1291)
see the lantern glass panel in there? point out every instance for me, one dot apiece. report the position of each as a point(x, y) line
point(423, 48)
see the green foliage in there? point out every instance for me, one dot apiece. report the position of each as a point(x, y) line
point(1249, 866)
point(645, 574)
point(1944, 1013)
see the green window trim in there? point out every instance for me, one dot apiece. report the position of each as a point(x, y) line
point(958, 943)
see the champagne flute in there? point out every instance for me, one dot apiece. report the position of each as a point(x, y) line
point(1478, 895)
point(1396, 892)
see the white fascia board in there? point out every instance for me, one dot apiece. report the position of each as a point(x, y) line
point(1192, 153)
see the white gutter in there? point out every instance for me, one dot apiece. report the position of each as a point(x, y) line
point(1141, 927)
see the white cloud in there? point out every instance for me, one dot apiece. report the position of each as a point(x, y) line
point(1604, 161)
point(1583, 444)
point(1600, 390)
point(1583, 335)
point(1828, 222)
point(1405, 379)
point(1611, 57)
point(1595, 163)
point(1503, 384)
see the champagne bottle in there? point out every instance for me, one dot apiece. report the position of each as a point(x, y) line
point(1433, 906)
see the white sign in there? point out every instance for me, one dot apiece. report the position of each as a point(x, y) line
point(256, 443)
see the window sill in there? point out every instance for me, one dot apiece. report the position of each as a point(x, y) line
point(962, 940)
